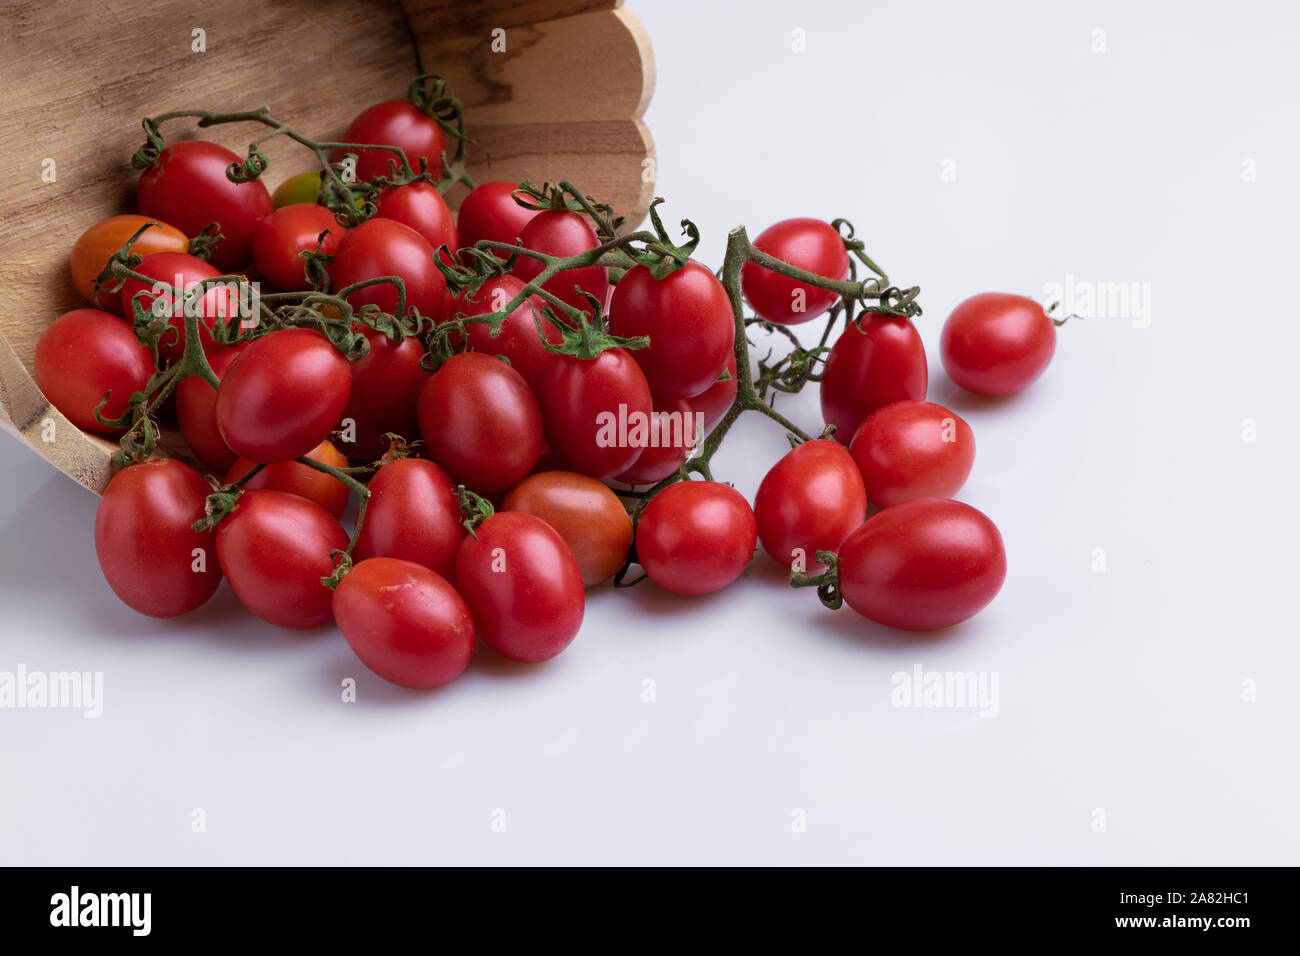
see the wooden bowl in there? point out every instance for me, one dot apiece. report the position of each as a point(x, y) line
point(563, 100)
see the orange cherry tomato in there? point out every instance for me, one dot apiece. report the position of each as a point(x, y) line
point(585, 513)
point(98, 243)
point(299, 479)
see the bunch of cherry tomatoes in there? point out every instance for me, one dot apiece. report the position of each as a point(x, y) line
point(489, 390)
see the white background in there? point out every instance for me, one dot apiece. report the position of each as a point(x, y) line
point(1120, 691)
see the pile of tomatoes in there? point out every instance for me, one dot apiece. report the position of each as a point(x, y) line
point(492, 476)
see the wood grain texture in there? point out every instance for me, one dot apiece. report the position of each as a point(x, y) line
point(454, 18)
point(74, 94)
point(538, 116)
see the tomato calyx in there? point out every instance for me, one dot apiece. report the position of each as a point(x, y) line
point(662, 257)
point(223, 501)
point(111, 279)
point(342, 567)
point(205, 243)
point(1063, 319)
point(474, 509)
point(583, 337)
point(564, 195)
point(141, 438)
point(315, 264)
point(398, 448)
point(251, 169)
point(827, 583)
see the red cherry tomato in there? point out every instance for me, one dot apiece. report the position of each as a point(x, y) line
point(275, 548)
point(84, 355)
point(590, 407)
point(559, 232)
point(585, 513)
point(386, 384)
point(673, 433)
point(996, 343)
point(689, 320)
point(490, 212)
point(196, 412)
point(420, 206)
point(284, 234)
point(150, 555)
point(97, 244)
point(921, 565)
point(299, 479)
point(405, 623)
point(384, 247)
point(282, 395)
point(517, 338)
point(809, 502)
point(178, 270)
point(696, 537)
point(714, 401)
point(394, 123)
point(913, 450)
point(188, 188)
point(874, 362)
point(809, 244)
point(522, 585)
point(481, 422)
point(413, 515)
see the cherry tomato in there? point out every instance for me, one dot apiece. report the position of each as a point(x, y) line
point(875, 361)
point(84, 355)
point(420, 206)
point(921, 565)
point(673, 433)
point(590, 408)
point(196, 412)
point(522, 585)
point(178, 270)
point(413, 515)
point(809, 244)
point(282, 395)
point(585, 513)
point(481, 422)
point(517, 338)
point(150, 555)
point(287, 232)
point(302, 188)
point(405, 622)
point(275, 548)
point(394, 123)
point(383, 247)
point(714, 401)
point(696, 537)
point(97, 244)
point(559, 232)
point(299, 479)
point(809, 502)
point(913, 449)
point(996, 343)
point(490, 212)
point(188, 187)
point(386, 384)
point(689, 320)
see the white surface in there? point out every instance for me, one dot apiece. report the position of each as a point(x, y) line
point(1119, 691)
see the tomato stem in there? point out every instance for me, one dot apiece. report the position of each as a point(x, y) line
point(827, 583)
point(345, 475)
